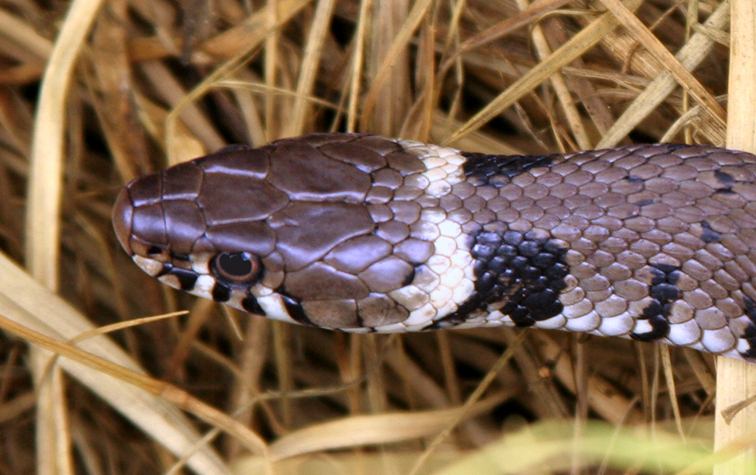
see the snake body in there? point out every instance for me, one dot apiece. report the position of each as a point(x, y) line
point(364, 233)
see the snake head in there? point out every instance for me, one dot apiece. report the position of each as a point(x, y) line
point(338, 231)
point(177, 232)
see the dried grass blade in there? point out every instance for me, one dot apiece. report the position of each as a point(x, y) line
point(46, 169)
point(43, 216)
point(667, 59)
point(576, 46)
point(21, 33)
point(357, 431)
point(155, 387)
point(310, 62)
point(690, 56)
point(529, 15)
point(30, 305)
point(253, 30)
point(419, 9)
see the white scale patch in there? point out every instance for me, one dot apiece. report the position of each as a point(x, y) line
point(204, 286)
point(150, 266)
point(718, 341)
point(272, 303)
point(684, 334)
point(448, 279)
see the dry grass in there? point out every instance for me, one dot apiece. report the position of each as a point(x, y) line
point(93, 95)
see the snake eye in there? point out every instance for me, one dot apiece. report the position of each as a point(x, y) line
point(236, 267)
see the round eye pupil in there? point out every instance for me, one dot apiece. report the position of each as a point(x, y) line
point(236, 268)
point(235, 263)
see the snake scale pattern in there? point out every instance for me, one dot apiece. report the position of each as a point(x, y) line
point(364, 233)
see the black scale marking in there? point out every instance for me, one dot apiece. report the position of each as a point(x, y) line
point(221, 292)
point(187, 279)
point(709, 235)
point(728, 181)
point(527, 273)
point(725, 178)
point(521, 271)
point(294, 308)
point(664, 291)
point(750, 333)
point(251, 305)
point(488, 168)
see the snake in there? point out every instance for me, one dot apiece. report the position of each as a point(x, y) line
point(369, 234)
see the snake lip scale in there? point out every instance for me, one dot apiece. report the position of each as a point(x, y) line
point(364, 233)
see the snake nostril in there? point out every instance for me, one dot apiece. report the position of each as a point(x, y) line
point(236, 267)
